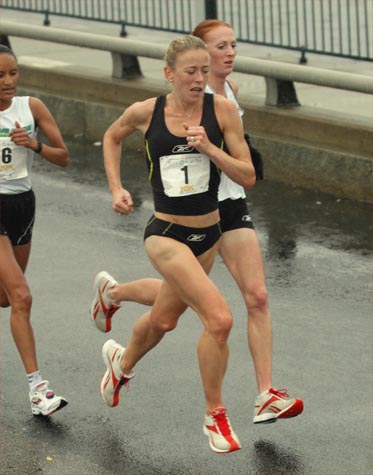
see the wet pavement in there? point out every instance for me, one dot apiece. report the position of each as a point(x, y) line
point(318, 255)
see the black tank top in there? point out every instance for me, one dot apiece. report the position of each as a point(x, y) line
point(184, 181)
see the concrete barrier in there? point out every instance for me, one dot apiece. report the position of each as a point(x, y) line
point(278, 75)
point(301, 146)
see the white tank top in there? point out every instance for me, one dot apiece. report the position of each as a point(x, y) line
point(229, 188)
point(15, 161)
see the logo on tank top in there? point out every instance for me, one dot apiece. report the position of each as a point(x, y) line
point(196, 237)
point(182, 148)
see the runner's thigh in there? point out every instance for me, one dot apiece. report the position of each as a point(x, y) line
point(11, 274)
point(186, 277)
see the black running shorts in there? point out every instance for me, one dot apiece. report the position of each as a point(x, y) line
point(234, 214)
point(199, 240)
point(17, 216)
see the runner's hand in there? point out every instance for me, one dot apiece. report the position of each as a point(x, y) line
point(20, 137)
point(122, 201)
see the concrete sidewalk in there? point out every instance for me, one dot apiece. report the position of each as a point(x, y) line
point(252, 88)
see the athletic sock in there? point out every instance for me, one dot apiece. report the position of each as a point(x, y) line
point(34, 379)
point(264, 393)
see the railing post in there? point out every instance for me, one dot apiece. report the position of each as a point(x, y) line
point(303, 59)
point(280, 93)
point(211, 10)
point(46, 19)
point(125, 66)
point(123, 31)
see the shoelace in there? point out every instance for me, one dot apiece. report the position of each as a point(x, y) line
point(279, 392)
point(221, 420)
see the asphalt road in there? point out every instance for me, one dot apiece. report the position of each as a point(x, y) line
point(317, 253)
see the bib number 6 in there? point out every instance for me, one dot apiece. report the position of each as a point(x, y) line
point(6, 155)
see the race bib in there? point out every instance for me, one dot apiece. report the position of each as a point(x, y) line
point(13, 160)
point(185, 174)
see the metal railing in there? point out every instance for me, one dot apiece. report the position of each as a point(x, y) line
point(334, 27)
point(279, 76)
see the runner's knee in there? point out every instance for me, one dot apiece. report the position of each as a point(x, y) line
point(220, 325)
point(162, 323)
point(257, 300)
point(21, 299)
point(165, 326)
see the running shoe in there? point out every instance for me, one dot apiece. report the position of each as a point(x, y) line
point(275, 404)
point(43, 400)
point(113, 379)
point(102, 309)
point(219, 431)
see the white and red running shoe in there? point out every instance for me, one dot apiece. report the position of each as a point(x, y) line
point(219, 431)
point(113, 379)
point(43, 400)
point(276, 404)
point(102, 309)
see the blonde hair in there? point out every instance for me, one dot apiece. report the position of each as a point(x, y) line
point(180, 45)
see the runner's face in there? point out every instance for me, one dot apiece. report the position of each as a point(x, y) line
point(222, 46)
point(8, 79)
point(191, 73)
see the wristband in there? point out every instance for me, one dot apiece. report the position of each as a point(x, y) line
point(39, 148)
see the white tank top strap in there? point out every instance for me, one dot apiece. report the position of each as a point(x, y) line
point(228, 188)
point(229, 94)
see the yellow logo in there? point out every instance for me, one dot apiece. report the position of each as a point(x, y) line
point(186, 188)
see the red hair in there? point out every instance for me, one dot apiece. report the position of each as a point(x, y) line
point(205, 26)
